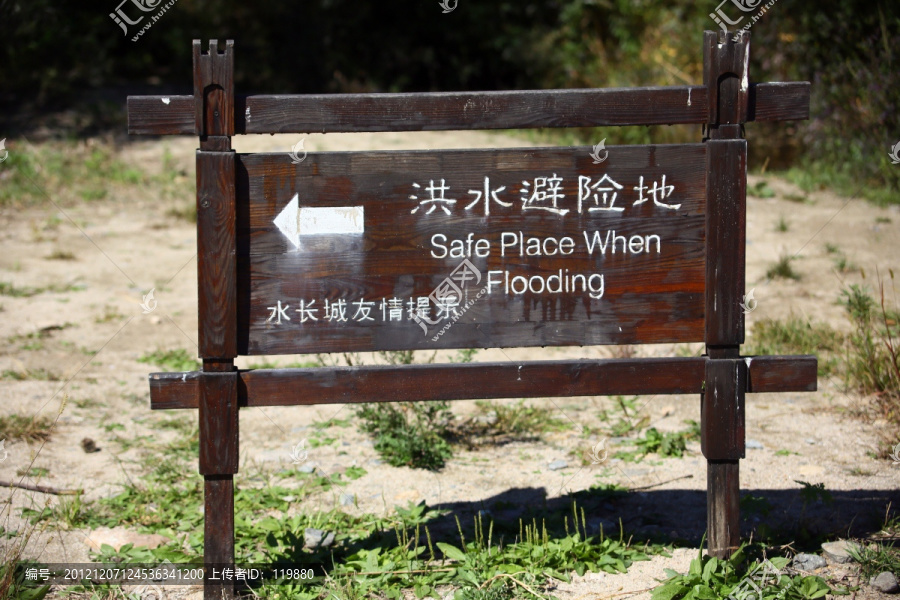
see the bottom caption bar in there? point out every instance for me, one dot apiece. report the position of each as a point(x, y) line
point(167, 573)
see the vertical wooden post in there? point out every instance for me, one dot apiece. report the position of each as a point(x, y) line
point(726, 76)
point(217, 299)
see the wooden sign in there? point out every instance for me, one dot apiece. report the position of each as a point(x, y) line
point(473, 248)
point(360, 251)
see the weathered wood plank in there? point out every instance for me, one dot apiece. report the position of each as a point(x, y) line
point(331, 385)
point(597, 265)
point(432, 111)
point(216, 250)
point(218, 423)
point(726, 218)
point(782, 373)
point(218, 534)
point(161, 115)
point(723, 495)
point(779, 101)
point(150, 115)
point(723, 410)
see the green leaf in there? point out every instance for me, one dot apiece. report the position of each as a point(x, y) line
point(451, 551)
point(669, 591)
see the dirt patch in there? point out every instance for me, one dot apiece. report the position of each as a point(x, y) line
point(85, 331)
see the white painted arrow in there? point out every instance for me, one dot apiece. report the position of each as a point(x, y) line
point(295, 220)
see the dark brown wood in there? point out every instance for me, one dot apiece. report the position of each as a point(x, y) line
point(216, 254)
point(161, 115)
point(218, 533)
point(653, 296)
point(218, 423)
point(781, 101)
point(726, 75)
point(722, 409)
point(330, 385)
point(318, 113)
point(723, 494)
point(725, 230)
point(773, 374)
point(214, 89)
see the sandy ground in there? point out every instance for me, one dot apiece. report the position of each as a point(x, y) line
point(126, 245)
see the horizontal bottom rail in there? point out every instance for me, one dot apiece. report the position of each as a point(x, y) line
point(472, 381)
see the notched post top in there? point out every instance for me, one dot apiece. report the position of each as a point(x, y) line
point(727, 79)
point(214, 89)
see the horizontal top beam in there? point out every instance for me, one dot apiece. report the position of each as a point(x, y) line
point(439, 111)
point(527, 379)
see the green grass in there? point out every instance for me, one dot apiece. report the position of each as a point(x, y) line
point(712, 578)
point(171, 360)
point(672, 444)
point(496, 423)
point(761, 190)
point(844, 181)
point(782, 226)
point(411, 434)
point(797, 336)
point(872, 360)
point(877, 558)
point(782, 269)
point(63, 171)
point(30, 375)
point(20, 427)
point(8, 289)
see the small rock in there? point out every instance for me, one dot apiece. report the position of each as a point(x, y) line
point(118, 537)
point(89, 445)
point(754, 445)
point(838, 552)
point(375, 461)
point(885, 582)
point(348, 499)
point(809, 562)
point(556, 465)
point(307, 468)
point(810, 441)
point(668, 410)
point(316, 538)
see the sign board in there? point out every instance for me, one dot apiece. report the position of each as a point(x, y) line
point(367, 251)
point(472, 248)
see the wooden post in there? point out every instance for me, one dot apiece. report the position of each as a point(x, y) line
point(217, 298)
point(725, 74)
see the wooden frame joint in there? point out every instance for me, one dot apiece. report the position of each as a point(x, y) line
point(214, 89)
point(723, 409)
point(218, 423)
